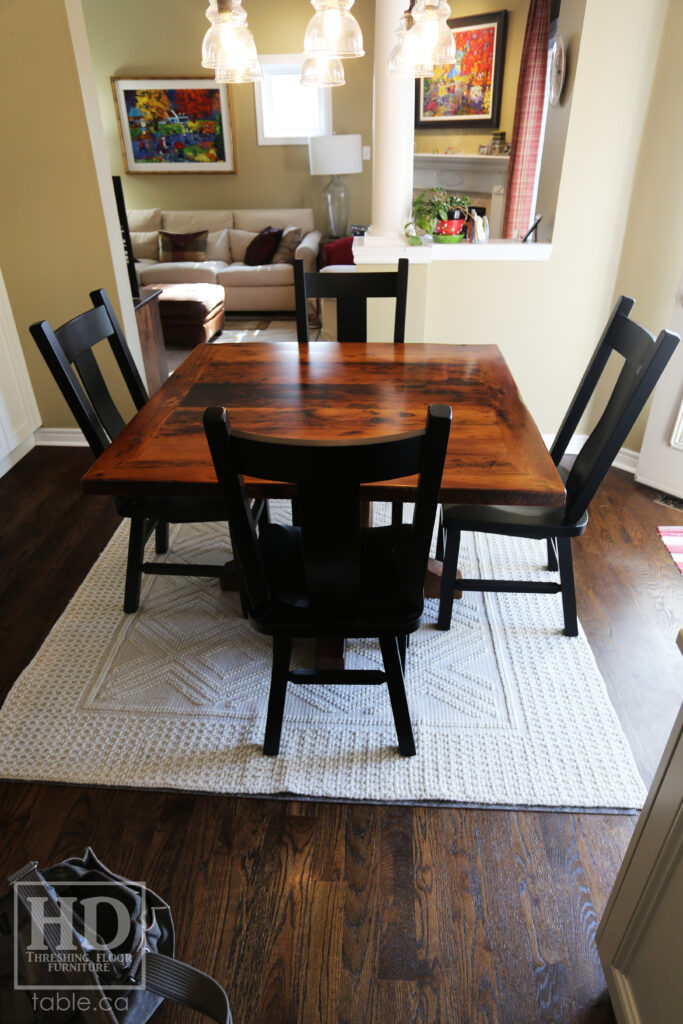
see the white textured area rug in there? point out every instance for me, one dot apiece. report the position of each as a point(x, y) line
point(506, 710)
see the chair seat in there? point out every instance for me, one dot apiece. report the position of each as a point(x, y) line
point(525, 521)
point(514, 521)
point(173, 510)
point(381, 605)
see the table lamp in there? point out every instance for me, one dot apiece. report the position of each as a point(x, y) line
point(335, 155)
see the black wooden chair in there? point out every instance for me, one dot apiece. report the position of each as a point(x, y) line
point(68, 349)
point(351, 290)
point(328, 576)
point(644, 359)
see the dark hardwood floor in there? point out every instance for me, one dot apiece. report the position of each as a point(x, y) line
point(350, 913)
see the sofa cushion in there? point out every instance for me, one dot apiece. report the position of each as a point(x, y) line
point(291, 237)
point(188, 248)
point(256, 220)
point(339, 252)
point(263, 247)
point(197, 220)
point(144, 220)
point(145, 245)
point(218, 246)
point(241, 276)
point(166, 273)
point(239, 240)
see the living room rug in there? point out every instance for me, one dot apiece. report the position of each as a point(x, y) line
point(672, 537)
point(506, 710)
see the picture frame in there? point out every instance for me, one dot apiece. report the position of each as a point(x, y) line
point(466, 94)
point(175, 125)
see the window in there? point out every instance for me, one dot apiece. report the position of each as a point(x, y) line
point(288, 113)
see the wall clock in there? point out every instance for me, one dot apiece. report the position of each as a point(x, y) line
point(558, 69)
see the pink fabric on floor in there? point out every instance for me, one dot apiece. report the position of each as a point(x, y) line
point(673, 539)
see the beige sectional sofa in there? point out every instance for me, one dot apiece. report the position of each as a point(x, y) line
point(268, 287)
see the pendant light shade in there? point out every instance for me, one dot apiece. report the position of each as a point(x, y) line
point(228, 46)
point(434, 40)
point(322, 71)
point(425, 39)
point(333, 31)
point(404, 60)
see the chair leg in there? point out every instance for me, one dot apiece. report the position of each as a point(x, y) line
point(564, 551)
point(136, 552)
point(449, 579)
point(161, 536)
point(439, 541)
point(397, 694)
point(552, 554)
point(402, 646)
point(396, 513)
point(282, 652)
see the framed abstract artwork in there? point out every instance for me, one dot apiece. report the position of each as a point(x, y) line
point(174, 125)
point(466, 94)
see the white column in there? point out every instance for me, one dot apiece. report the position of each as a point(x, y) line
point(393, 132)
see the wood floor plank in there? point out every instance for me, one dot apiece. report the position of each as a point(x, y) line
point(502, 910)
point(540, 916)
point(358, 990)
point(397, 939)
point(576, 909)
point(455, 962)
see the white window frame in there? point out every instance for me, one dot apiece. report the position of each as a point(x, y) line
point(274, 64)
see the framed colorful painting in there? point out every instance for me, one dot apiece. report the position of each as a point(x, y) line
point(466, 94)
point(174, 125)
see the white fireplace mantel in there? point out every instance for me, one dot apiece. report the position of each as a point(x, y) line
point(474, 173)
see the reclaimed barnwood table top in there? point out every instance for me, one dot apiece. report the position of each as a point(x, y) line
point(331, 391)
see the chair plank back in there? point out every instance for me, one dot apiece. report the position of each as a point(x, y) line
point(351, 290)
point(328, 477)
point(645, 358)
point(622, 336)
point(68, 352)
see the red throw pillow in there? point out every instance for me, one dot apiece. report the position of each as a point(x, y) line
point(262, 249)
point(338, 253)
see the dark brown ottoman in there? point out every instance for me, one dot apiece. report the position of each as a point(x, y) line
point(190, 313)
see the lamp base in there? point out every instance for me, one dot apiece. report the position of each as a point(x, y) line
point(336, 207)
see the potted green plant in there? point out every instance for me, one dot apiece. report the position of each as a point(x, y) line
point(438, 213)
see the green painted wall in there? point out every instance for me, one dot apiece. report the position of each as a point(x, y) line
point(163, 38)
point(53, 243)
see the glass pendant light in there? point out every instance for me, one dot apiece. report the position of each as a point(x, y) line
point(333, 31)
point(403, 61)
point(433, 40)
point(425, 39)
point(228, 47)
point(322, 71)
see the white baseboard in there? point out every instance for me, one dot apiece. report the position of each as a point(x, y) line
point(69, 437)
point(626, 459)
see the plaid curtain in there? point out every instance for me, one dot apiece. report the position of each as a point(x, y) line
point(526, 134)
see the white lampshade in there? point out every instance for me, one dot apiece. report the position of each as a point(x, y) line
point(336, 154)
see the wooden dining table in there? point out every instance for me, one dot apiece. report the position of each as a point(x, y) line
point(330, 391)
